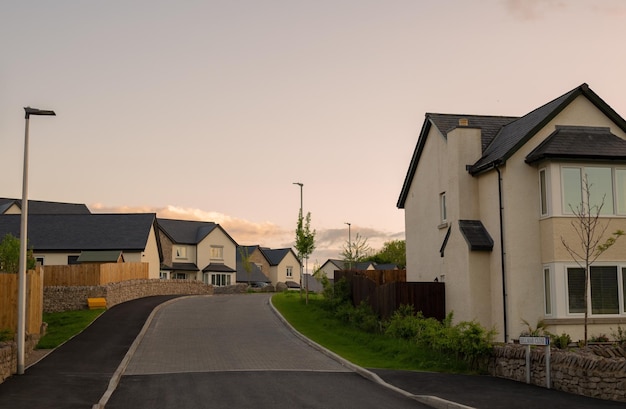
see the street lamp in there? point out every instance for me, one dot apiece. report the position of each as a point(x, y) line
point(349, 246)
point(301, 271)
point(21, 292)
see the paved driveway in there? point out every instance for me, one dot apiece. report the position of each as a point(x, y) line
point(234, 352)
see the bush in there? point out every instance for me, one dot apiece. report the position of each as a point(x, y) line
point(560, 341)
point(619, 335)
point(6, 335)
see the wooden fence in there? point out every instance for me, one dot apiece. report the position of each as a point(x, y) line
point(94, 274)
point(9, 301)
point(386, 295)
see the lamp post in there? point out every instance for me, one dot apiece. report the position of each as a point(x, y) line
point(301, 271)
point(21, 292)
point(349, 246)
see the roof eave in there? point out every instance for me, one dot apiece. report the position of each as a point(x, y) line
point(421, 141)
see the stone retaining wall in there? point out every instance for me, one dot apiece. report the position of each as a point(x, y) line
point(595, 371)
point(8, 355)
point(57, 299)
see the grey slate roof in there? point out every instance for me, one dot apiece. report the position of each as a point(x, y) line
point(580, 142)
point(43, 207)
point(255, 274)
point(103, 256)
point(476, 235)
point(218, 268)
point(182, 267)
point(186, 231)
point(274, 256)
point(80, 232)
point(503, 136)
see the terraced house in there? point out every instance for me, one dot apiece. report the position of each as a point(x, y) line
point(488, 201)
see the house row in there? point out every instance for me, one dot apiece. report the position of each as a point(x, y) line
point(67, 233)
point(490, 208)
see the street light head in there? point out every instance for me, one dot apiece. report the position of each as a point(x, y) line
point(34, 111)
point(298, 183)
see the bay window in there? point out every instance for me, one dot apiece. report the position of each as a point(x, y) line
point(604, 289)
point(607, 188)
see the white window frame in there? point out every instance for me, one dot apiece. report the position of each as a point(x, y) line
point(544, 193)
point(621, 276)
point(289, 272)
point(618, 208)
point(443, 209)
point(180, 252)
point(219, 279)
point(217, 252)
point(548, 292)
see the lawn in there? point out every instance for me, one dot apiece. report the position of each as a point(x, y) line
point(64, 325)
point(361, 348)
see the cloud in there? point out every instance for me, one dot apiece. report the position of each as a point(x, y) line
point(533, 9)
point(329, 243)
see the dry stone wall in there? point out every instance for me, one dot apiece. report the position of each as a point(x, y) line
point(595, 371)
point(8, 355)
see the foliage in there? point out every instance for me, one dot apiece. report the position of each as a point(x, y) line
point(6, 335)
point(367, 349)
point(619, 335)
point(590, 232)
point(393, 252)
point(336, 295)
point(560, 341)
point(305, 238)
point(10, 255)
point(245, 260)
point(64, 325)
point(599, 338)
point(356, 251)
point(538, 331)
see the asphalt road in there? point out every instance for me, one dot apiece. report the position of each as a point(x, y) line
point(234, 352)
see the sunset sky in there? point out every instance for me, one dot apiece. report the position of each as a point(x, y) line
point(211, 110)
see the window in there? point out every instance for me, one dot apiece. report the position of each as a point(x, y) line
point(72, 259)
point(180, 276)
point(543, 192)
point(163, 275)
point(547, 288)
point(604, 291)
point(289, 272)
point(607, 187)
point(442, 207)
point(603, 281)
point(217, 252)
point(180, 252)
point(39, 260)
point(220, 280)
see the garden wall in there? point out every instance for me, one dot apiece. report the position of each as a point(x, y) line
point(60, 298)
point(8, 355)
point(596, 371)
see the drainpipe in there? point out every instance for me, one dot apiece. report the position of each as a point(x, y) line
point(502, 254)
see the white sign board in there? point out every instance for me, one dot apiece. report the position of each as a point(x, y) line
point(534, 340)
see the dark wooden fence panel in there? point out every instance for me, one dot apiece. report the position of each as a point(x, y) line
point(385, 295)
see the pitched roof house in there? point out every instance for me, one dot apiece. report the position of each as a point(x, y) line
point(260, 265)
point(60, 239)
point(196, 250)
point(488, 201)
point(284, 266)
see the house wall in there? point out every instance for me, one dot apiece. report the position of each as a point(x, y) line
point(14, 209)
point(529, 242)
point(279, 273)
point(217, 237)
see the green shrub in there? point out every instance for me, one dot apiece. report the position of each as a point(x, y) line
point(6, 335)
point(599, 338)
point(560, 341)
point(619, 335)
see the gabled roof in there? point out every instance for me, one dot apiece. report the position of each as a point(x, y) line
point(580, 142)
point(255, 273)
point(79, 232)
point(502, 136)
point(275, 256)
point(218, 268)
point(43, 207)
point(514, 135)
point(186, 231)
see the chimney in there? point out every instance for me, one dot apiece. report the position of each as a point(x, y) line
point(463, 122)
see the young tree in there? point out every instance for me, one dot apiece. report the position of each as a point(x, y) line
point(10, 255)
point(305, 244)
point(245, 260)
point(590, 233)
point(393, 252)
point(356, 251)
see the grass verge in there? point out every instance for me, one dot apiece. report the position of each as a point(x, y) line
point(64, 325)
point(361, 348)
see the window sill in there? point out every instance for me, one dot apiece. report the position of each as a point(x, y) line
point(443, 225)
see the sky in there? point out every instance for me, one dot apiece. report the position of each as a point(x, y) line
point(212, 110)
